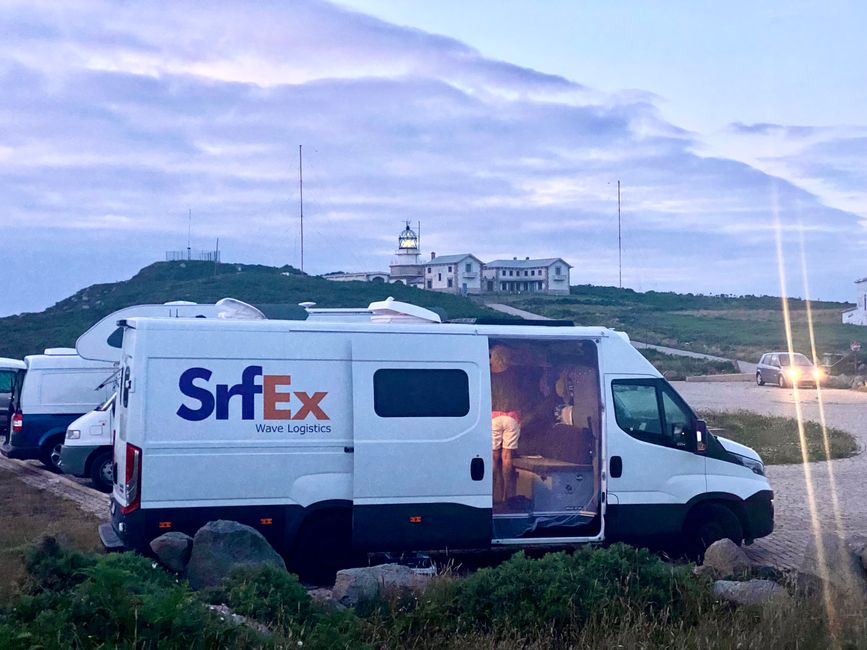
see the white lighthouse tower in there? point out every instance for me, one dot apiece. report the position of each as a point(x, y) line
point(405, 267)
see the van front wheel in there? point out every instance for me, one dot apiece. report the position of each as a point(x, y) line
point(50, 454)
point(101, 472)
point(710, 523)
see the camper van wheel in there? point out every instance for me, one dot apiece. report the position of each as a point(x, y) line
point(710, 523)
point(101, 471)
point(323, 547)
point(50, 455)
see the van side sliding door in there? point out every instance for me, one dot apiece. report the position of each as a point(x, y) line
point(422, 442)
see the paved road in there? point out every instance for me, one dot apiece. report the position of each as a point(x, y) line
point(844, 409)
point(514, 311)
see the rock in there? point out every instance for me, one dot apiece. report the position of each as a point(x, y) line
point(752, 592)
point(838, 565)
point(725, 558)
point(173, 550)
point(221, 546)
point(356, 585)
point(705, 570)
point(236, 620)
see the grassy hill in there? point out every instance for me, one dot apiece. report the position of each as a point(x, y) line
point(277, 291)
point(740, 328)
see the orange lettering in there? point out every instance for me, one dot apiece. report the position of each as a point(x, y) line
point(272, 397)
point(310, 405)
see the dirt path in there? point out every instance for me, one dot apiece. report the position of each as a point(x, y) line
point(35, 475)
point(844, 409)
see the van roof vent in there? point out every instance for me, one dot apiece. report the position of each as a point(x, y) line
point(60, 352)
point(394, 311)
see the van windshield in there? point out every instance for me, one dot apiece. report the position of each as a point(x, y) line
point(107, 404)
point(797, 360)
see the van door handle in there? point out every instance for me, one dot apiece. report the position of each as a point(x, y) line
point(477, 469)
point(615, 467)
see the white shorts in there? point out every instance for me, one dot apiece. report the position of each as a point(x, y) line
point(506, 430)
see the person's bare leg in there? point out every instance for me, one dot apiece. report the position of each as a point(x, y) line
point(508, 475)
point(497, 476)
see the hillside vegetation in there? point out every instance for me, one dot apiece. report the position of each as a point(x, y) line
point(277, 291)
point(741, 328)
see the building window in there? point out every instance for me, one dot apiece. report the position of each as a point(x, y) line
point(439, 277)
point(450, 283)
point(526, 273)
point(469, 267)
point(429, 284)
point(401, 393)
point(557, 270)
point(450, 269)
point(511, 273)
point(428, 269)
point(504, 272)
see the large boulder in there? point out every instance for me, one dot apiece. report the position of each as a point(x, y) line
point(173, 550)
point(219, 547)
point(353, 586)
point(724, 558)
point(833, 561)
point(752, 592)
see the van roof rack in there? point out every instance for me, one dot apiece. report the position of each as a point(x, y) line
point(382, 311)
point(524, 323)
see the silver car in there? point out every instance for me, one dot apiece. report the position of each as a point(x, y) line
point(787, 369)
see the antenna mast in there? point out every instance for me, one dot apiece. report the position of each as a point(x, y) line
point(301, 199)
point(189, 232)
point(619, 240)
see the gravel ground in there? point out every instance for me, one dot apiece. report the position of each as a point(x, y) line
point(845, 478)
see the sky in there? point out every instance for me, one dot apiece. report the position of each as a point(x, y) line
point(502, 126)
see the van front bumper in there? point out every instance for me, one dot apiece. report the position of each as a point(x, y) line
point(759, 512)
point(73, 460)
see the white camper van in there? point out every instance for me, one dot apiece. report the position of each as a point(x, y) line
point(56, 388)
point(376, 435)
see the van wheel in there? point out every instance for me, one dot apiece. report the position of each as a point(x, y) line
point(710, 523)
point(50, 454)
point(759, 380)
point(323, 547)
point(101, 473)
point(781, 381)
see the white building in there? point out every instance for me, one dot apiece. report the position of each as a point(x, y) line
point(858, 315)
point(359, 276)
point(460, 274)
point(549, 275)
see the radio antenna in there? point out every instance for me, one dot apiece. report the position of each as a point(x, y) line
point(301, 203)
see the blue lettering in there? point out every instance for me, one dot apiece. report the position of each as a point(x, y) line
point(203, 395)
point(247, 390)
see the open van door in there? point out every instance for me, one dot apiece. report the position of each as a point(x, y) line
point(422, 448)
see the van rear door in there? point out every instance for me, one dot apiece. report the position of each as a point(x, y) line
point(422, 442)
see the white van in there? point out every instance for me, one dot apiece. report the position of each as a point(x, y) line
point(87, 448)
point(56, 388)
point(332, 437)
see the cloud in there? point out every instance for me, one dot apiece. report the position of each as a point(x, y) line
point(117, 119)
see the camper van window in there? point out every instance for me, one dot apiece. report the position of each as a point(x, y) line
point(116, 338)
point(636, 409)
point(7, 379)
point(421, 393)
point(678, 423)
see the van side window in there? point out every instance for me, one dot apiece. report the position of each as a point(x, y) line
point(422, 393)
point(7, 380)
point(650, 410)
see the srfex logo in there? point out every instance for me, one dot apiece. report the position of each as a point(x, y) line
point(275, 401)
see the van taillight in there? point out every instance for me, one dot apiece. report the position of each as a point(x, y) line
point(132, 480)
point(17, 422)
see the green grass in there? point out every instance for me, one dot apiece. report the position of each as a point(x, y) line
point(277, 290)
point(776, 439)
point(741, 328)
point(678, 368)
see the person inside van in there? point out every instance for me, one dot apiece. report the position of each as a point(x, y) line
point(508, 401)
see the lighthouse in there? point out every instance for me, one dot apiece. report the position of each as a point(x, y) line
point(405, 267)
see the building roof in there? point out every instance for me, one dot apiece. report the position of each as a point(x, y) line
point(450, 259)
point(526, 264)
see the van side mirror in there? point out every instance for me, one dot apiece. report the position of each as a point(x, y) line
point(701, 436)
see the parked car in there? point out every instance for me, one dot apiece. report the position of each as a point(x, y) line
point(787, 369)
point(87, 451)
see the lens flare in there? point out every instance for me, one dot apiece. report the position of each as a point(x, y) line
point(805, 460)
